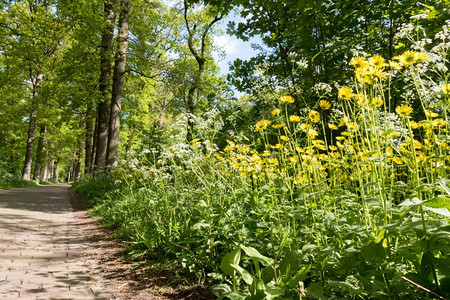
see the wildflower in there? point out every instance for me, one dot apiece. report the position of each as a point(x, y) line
point(262, 125)
point(409, 58)
point(398, 160)
point(333, 148)
point(358, 62)
point(377, 101)
point(278, 126)
point(294, 118)
point(284, 138)
point(312, 133)
point(314, 116)
point(395, 65)
point(343, 121)
point(415, 125)
point(352, 126)
point(305, 126)
point(287, 99)
point(332, 126)
point(345, 93)
point(445, 88)
point(324, 104)
point(273, 161)
point(404, 110)
point(431, 114)
point(377, 61)
point(276, 111)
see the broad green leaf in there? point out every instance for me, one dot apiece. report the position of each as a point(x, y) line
point(411, 202)
point(440, 211)
point(438, 202)
point(256, 256)
point(274, 291)
point(234, 296)
point(373, 252)
point(308, 248)
point(439, 239)
point(289, 263)
point(246, 276)
point(444, 187)
point(267, 274)
point(233, 257)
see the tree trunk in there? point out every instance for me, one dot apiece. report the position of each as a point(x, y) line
point(55, 170)
point(36, 81)
point(105, 81)
point(94, 144)
point(88, 141)
point(118, 79)
point(40, 152)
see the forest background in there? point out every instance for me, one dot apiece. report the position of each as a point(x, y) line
point(329, 175)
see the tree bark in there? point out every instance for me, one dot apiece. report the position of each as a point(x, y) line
point(105, 80)
point(40, 153)
point(88, 141)
point(118, 79)
point(36, 82)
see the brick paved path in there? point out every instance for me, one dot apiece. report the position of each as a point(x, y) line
point(43, 255)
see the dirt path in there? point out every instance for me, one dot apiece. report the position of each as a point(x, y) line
point(43, 253)
point(50, 248)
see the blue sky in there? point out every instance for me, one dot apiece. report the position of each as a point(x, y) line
point(233, 47)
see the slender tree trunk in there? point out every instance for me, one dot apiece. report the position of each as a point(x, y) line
point(94, 143)
point(55, 170)
point(105, 81)
point(39, 153)
point(36, 81)
point(118, 79)
point(88, 141)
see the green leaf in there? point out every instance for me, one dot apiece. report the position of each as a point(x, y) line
point(234, 257)
point(308, 248)
point(439, 240)
point(373, 252)
point(234, 296)
point(267, 274)
point(438, 202)
point(444, 187)
point(440, 211)
point(274, 291)
point(289, 263)
point(256, 256)
point(411, 202)
point(246, 276)
point(300, 276)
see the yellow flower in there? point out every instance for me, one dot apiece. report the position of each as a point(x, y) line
point(415, 125)
point(312, 133)
point(343, 121)
point(377, 101)
point(358, 62)
point(431, 114)
point(445, 88)
point(333, 148)
point(377, 61)
point(284, 138)
point(287, 99)
point(408, 58)
point(404, 110)
point(398, 160)
point(345, 93)
point(294, 118)
point(332, 126)
point(324, 104)
point(278, 126)
point(273, 161)
point(262, 125)
point(314, 116)
point(352, 126)
point(305, 126)
point(276, 111)
point(395, 65)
